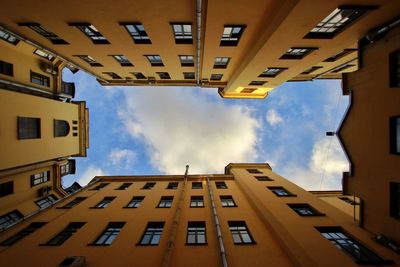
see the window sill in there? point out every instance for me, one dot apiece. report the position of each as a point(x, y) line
point(196, 244)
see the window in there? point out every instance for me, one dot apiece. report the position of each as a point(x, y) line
point(10, 218)
point(231, 35)
point(40, 79)
point(6, 68)
point(349, 201)
point(227, 201)
point(311, 70)
point(221, 62)
point(137, 32)
point(240, 233)
point(52, 37)
point(339, 55)
point(113, 75)
point(165, 202)
point(342, 67)
point(394, 200)
point(68, 168)
point(164, 75)
point(280, 191)
point(73, 203)
point(6, 188)
point(40, 178)
point(196, 233)
point(135, 202)
point(304, 209)
point(182, 33)
point(61, 128)
point(8, 38)
point(263, 178)
point(109, 234)
point(28, 128)
point(253, 171)
point(72, 68)
point(46, 202)
point(104, 203)
point(216, 77)
point(124, 186)
point(197, 185)
point(88, 59)
point(196, 202)
point(259, 83)
point(152, 234)
point(248, 90)
point(189, 75)
point(100, 186)
point(155, 60)
point(353, 248)
point(297, 52)
point(221, 185)
point(186, 60)
point(23, 233)
point(122, 60)
point(65, 234)
point(149, 185)
point(271, 72)
point(394, 69)
point(394, 135)
point(43, 54)
point(91, 32)
point(172, 185)
point(336, 21)
point(138, 75)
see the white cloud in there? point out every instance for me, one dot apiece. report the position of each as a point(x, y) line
point(122, 157)
point(89, 174)
point(180, 126)
point(273, 117)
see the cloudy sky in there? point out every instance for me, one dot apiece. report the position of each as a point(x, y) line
point(158, 130)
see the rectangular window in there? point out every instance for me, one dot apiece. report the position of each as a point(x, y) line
point(248, 90)
point(311, 70)
point(109, 234)
point(259, 83)
point(196, 233)
point(221, 62)
point(6, 68)
point(358, 252)
point(196, 202)
point(90, 31)
point(280, 191)
point(349, 201)
point(297, 52)
point(164, 75)
point(221, 185)
point(149, 185)
point(271, 72)
point(394, 135)
point(73, 203)
point(197, 185)
point(122, 60)
point(113, 75)
point(6, 188)
point(65, 234)
point(40, 79)
point(395, 200)
point(186, 60)
point(240, 233)
point(43, 54)
point(100, 186)
point(165, 202)
point(68, 168)
point(52, 37)
point(46, 201)
point(253, 171)
point(216, 77)
point(152, 234)
point(88, 59)
point(172, 185)
point(182, 33)
point(304, 209)
point(263, 178)
point(227, 201)
point(188, 75)
point(23, 233)
point(8, 38)
point(40, 178)
point(124, 186)
point(231, 35)
point(104, 203)
point(28, 128)
point(394, 69)
point(135, 202)
point(340, 54)
point(155, 60)
point(9, 219)
point(138, 75)
point(137, 32)
point(338, 20)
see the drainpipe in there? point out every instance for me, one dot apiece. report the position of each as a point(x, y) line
point(217, 226)
point(198, 40)
point(175, 223)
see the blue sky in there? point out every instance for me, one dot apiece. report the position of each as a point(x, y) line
point(158, 130)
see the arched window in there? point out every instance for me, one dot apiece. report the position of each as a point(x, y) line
point(61, 128)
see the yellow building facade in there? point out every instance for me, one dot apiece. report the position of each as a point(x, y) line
point(247, 216)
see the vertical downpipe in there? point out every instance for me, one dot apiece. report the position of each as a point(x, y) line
point(198, 40)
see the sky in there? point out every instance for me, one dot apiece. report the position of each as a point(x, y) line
point(159, 130)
